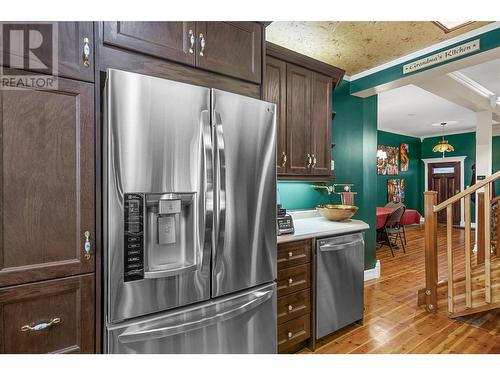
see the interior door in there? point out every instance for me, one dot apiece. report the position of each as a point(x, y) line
point(275, 92)
point(245, 214)
point(444, 178)
point(321, 124)
point(244, 323)
point(298, 120)
point(47, 174)
point(232, 48)
point(168, 40)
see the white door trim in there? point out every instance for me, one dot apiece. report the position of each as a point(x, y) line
point(461, 159)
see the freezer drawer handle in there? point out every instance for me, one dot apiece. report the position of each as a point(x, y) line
point(159, 333)
point(340, 246)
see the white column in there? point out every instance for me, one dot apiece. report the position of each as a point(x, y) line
point(484, 129)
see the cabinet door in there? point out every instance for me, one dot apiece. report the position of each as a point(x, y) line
point(26, 310)
point(231, 48)
point(275, 92)
point(321, 124)
point(168, 40)
point(47, 180)
point(70, 48)
point(298, 120)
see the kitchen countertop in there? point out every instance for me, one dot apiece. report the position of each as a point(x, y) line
point(310, 224)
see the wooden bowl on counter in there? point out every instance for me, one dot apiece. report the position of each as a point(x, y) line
point(337, 212)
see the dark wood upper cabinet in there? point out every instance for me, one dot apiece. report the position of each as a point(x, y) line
point(232, 48)
point(305, 124)
point(174, 41)
point(75, 49)
point(47, 178)
point(275, 92)
point(298, 131)
point(66, 304)
point(321, 124)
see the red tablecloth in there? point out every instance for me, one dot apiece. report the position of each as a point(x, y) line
point(409, 217)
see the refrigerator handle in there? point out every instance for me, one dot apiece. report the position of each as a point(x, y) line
point(200, 321)
point(208, 185)
point(220, 167)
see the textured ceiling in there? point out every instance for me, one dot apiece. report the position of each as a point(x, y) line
point(358, 46)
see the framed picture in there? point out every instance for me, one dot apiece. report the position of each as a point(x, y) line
point(405, 157)
point(381, 160)
point(396, 190)
point(392, 160)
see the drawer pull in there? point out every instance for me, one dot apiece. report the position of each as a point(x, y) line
point(290, 335)
point(290, 254)
point(40, 326)
point(290, 307)
point(191, 41)
point(290, 280)
point(202, 44)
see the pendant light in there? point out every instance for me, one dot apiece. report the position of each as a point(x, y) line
point(443, 145)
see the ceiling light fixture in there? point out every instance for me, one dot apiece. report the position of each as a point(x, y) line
point(443, 145)
point(449, 26)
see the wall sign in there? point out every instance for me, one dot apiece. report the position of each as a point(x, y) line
point(443, 56)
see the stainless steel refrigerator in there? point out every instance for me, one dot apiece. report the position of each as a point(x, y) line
point(189, 218)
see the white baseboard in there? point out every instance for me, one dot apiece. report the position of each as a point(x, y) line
point(373, 273)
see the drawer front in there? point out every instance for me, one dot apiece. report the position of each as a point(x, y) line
point(294, 253)
point(293, 332)
point(294, 279)
point(294, 305)
point(68, 303)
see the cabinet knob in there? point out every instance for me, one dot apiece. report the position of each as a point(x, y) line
point(308, 160)
point(202, 44)
point(290, 335)
point(290, 307)
point(87, 245)
point(290, 254)
point(314, 161)
point(86, 52)
point(191, 41)
point(283, 159)
point(290, 280)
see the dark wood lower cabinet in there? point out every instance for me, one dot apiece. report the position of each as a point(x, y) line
point(295, 296)
point(68, 302)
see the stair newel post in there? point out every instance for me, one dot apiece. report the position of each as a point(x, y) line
point(467, 233)
point(431, 265)
point(487, 244)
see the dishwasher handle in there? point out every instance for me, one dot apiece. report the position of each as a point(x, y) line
point(340, 246)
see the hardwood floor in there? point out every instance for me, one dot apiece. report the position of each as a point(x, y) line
point(394, 323)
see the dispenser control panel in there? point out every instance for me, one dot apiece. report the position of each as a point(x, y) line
point(134, 237)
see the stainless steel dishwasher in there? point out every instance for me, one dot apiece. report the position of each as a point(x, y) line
point(339, 282)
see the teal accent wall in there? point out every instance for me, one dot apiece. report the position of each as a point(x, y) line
point(412, 177)
point(488, 41)
point(496, 161)
point(355, 137)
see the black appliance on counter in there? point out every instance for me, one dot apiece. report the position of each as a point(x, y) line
point(284, 222)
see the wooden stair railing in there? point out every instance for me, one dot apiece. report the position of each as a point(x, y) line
point(473, 303)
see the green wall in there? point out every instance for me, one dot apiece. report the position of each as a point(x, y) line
point(355, 136)
point(412, 177)
point(496, 161)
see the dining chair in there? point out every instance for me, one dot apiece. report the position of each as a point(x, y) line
point(392, 230)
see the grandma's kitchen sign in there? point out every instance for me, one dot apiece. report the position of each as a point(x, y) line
point(443, 56)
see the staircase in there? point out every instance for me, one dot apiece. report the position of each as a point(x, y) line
point(471, 286)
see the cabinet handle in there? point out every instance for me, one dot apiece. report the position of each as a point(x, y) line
point(309, 160)
point(290, 307)
point(87, 245)
point(290, 335)
point(284, 159)
point(290, 254)
point(40, 326)
point(202, 44)
point(314, 161)
point(290, 280)
point(191, 41)
point(86, 52)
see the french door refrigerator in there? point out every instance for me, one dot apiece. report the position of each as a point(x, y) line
point(189, 208)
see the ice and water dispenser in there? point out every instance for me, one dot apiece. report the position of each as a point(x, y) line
point(159, 235)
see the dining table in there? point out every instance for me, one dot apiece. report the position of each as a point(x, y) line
point(409, 217)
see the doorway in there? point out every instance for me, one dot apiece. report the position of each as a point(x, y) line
point(444, 178)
